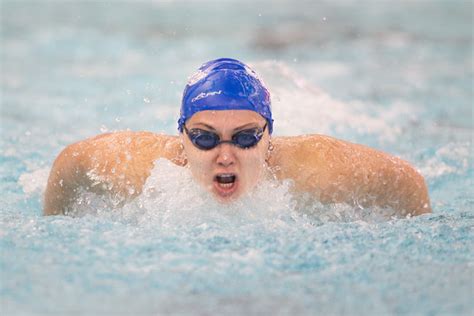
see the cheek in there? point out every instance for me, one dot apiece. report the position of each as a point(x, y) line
point(260, 155)
point(254, 165)
point(198, 161)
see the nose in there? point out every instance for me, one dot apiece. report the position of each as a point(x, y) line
point(225, 156)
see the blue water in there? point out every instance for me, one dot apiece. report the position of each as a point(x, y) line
point(397, 76)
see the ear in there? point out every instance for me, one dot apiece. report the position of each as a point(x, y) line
point(181, 160)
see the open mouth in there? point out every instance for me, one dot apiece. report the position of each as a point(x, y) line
point(225, 183)
point(226, 178)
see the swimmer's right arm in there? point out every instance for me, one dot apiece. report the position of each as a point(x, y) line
point(66, 177)
point(116, 164)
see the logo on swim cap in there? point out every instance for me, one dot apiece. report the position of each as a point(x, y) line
point(225, 84)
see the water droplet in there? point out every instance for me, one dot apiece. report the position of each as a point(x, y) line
point(103, 128)
point(146, 100)
point(117, 119)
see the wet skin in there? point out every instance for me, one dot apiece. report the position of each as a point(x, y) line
point(328, 169)
point(247, 166)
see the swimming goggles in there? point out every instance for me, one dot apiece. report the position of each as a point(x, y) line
point(206, 140)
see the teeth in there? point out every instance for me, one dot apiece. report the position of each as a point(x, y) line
point(226, 185)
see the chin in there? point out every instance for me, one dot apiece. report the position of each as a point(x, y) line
point(226, 197)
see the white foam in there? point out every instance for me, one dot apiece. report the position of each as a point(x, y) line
point(172, 200)
point(34, 182)
point(330, 69)
point(300, 107)
point(449, 159)
point(171, 197)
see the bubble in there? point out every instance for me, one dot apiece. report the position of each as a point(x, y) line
point(103, 129)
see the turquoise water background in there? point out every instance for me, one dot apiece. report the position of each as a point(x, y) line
point(397, 76)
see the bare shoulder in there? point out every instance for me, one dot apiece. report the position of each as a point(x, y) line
point(320, 151)
point(339, 171)
point(310, 153)
point(140, 147)
point(114, 163)
point(122, 155)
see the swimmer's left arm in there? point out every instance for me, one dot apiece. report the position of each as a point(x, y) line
point(336, 171)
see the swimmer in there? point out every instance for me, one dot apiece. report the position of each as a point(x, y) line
point(225, 129)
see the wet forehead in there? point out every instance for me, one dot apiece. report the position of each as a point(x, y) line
point(226, 118)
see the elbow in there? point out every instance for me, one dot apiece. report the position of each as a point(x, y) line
point(63, 180)
point(53, 197)
point(56, 196)
point(50, 210)
point(420, 200)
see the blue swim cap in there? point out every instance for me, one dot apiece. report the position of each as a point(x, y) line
point(225, 84)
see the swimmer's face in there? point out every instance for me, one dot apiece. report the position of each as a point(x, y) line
point(227, 171)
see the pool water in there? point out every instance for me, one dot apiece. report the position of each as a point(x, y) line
point(397, 76)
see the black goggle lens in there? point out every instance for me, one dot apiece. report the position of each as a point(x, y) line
point(206, 140)
point(246, 139)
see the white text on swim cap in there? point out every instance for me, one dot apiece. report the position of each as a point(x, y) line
point(203, 95)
